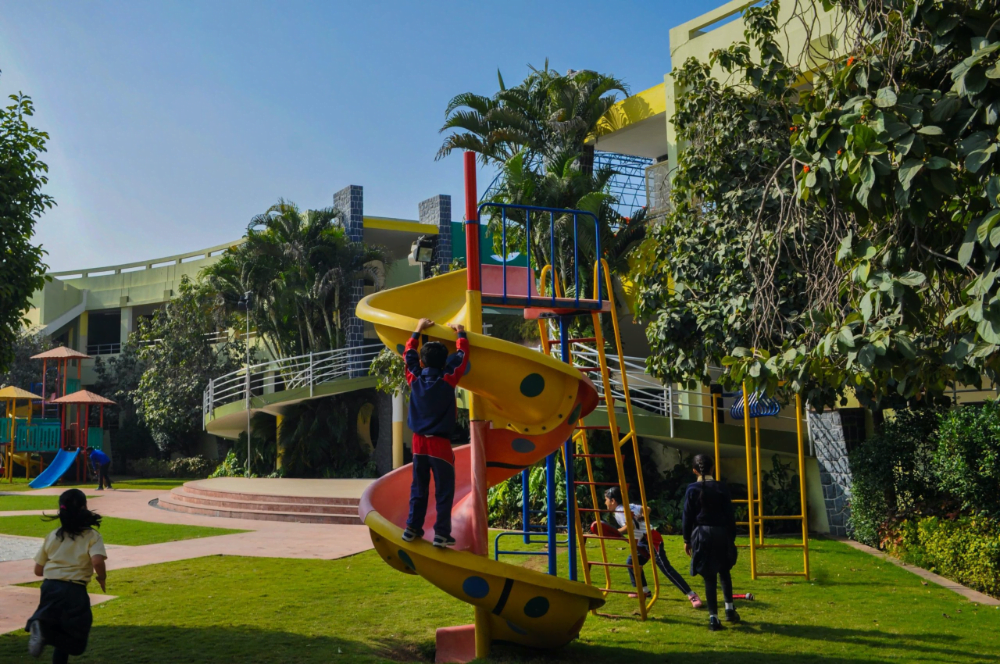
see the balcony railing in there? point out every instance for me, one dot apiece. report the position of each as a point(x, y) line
point(303, 371)
point(104, 349)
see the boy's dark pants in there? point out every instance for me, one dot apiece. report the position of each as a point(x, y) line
point(65, 616)
point(102, 476)
point(444, 493)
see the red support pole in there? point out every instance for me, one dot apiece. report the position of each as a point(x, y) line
point(471, 224)
point(44, 396)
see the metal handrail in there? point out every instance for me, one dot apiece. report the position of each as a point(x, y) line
point(104, 349)
point(301, 371)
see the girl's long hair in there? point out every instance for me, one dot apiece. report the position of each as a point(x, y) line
point(74, 516)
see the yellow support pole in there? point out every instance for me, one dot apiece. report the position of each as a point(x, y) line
point(750, 499)
point(760, 489)
point(802, 485)
point(715, 432)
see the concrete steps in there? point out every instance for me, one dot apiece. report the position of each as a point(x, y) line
point(191, 499)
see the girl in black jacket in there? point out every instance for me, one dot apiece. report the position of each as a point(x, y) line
point(710, 537)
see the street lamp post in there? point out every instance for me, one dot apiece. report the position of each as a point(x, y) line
point(245, 304)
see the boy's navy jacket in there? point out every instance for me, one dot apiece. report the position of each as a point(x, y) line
point(98, 457)
point(432, 391)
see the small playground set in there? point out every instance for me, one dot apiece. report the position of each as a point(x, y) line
point(56, 441)
point(528, 407)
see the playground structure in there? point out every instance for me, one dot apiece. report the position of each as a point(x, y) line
point(526, 406)
point(755, 407)
point(64, 435)
point(10, 395)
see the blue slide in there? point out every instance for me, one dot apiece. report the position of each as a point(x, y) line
point(63, 462)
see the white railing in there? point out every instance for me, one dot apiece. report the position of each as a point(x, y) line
point(104, 349)
point(288, 373)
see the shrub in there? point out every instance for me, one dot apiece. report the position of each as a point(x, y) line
point(967, 461)
point(148, 467)
point(230, 467)
point(965, 549)
point(193, 467)
point(892, 474)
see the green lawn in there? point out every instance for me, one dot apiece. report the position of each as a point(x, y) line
point(115, 531)
point(149, 484)
point(231, 609)
point(19, 503)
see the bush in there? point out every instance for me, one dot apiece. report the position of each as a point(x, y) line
point(230, 467)
point(187, 467)
point(892, 474)
point(148, 467)
point(967, 461)
point(965, 549)
point(194, 467)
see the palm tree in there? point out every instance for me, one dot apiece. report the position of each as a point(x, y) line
point(544, 116)
point(297, 265)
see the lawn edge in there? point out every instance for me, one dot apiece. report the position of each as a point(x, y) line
point(954, 586)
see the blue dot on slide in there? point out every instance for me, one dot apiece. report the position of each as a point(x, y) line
point(532, 385)
point(522, 445)
point(536, 607)
point(476, 587)
point(400, 348)
point(405, 557)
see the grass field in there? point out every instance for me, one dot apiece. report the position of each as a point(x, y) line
point(115, 531)
point(20, 503)
point(148, 483)
point(262, 611)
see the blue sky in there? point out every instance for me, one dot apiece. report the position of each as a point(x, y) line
point(173, 123)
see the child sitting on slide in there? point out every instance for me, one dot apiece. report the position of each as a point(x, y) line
point(613, 501)
point(432, 375)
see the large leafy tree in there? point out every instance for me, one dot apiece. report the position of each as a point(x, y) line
point(22, 371)
point(119, 378)
point(838, 234)
point(180, 357)
point(298, 267)
point(22, 177)
point(546, 115)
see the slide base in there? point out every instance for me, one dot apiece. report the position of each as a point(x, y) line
point(456, 644)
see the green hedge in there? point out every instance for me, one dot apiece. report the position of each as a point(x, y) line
point(966, 549)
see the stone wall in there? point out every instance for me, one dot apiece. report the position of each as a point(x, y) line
point(350, 201)
point(834, 473)
point(437, 212)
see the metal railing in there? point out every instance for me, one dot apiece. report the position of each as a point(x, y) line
point(104, 349)
point(289, 373)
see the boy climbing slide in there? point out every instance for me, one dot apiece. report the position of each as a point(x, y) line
point(432, 375)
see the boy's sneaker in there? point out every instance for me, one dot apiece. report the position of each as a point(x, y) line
point(410, 534)
point(695, 600)
point(636, 595)
point(442, 541)
point(732, 616)
point(713, 624)
point(36, 642)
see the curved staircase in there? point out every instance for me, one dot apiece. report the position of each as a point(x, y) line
point(194, 499)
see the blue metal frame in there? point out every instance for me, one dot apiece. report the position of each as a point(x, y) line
point(528, 209)
point(568, 452)
point(760, 406)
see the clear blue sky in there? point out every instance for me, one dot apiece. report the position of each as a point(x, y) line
point(173, 123)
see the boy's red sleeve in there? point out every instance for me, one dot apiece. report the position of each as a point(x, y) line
point(459, 362)
point(411, 357)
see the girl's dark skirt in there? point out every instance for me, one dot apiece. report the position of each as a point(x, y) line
point(65, 616)
point(713, 550)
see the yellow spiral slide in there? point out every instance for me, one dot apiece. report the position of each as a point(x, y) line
point(532, 403)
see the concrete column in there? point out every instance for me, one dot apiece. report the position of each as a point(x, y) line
point(398, 419)
point(350, 201)
point(84, 332)
point(126, 324)
point(436, 211)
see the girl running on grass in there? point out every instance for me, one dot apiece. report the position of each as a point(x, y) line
point(70, 555)
point(710, 538)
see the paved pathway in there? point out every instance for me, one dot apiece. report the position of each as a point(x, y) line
point(270, 539)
